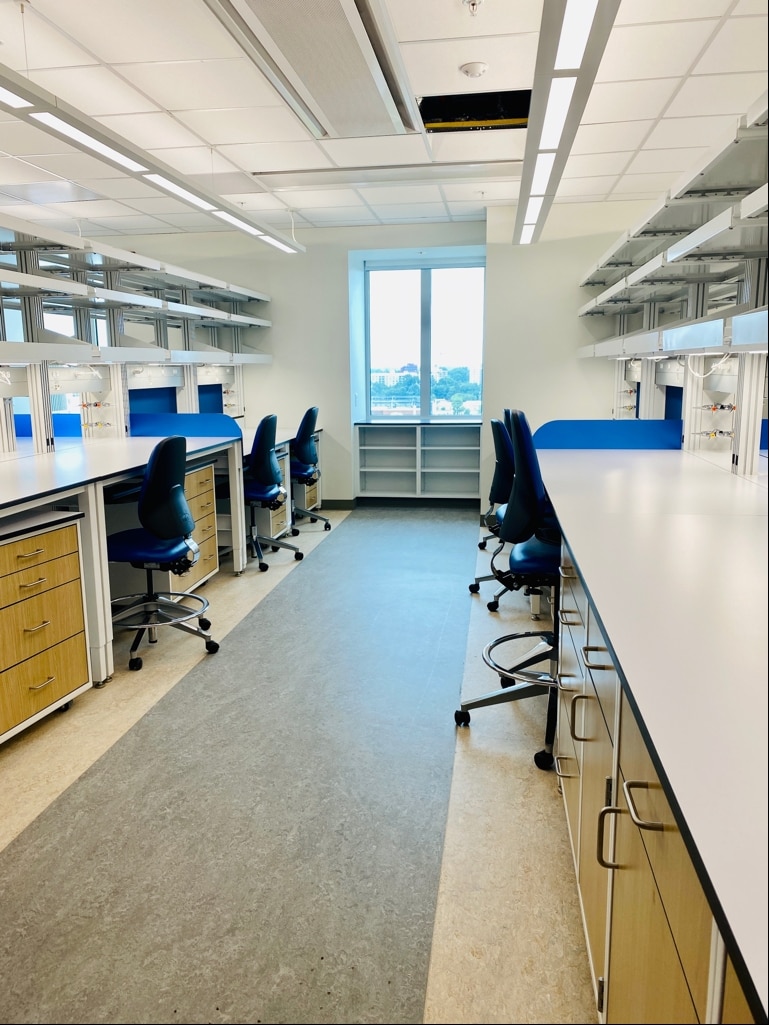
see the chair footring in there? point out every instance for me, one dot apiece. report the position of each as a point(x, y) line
point(164, 608)
point(545, 650)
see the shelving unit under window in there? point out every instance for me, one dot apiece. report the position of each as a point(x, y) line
point(437, 460)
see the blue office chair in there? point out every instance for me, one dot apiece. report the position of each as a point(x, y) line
point(304, 464)
point(263, 489)
point(499, 492)
point(531, 527)
point(162, 543)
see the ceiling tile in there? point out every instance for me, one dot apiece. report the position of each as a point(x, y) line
point(120, 188)
point(339, 216)
point(654, 185)
point(673, 161)
point(653, 51)
point(486, 192)
point(717, 94)
point(435, 19)
point(598, 185)
point(29, 42)
point(204, 85)
point(50, 192)
point(433, 67)
point(401, 194)
point(689, 131)
point(643, 11)
point(199, 160)
point(489, 144)
point(72, 165)
point(257, 201)
point(280, 156)
point(591, 164)
point(99, 209)
point(95, 91)
point(21, 139)
point(612, 137)
point(245, 125)
point(627, 101)
point(379, 151)
point(150, 131)
point(411, 212)
point(739, 46)
point(301, 199)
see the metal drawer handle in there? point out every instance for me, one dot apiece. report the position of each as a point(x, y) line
point(560, 677)
point(44, 683)
point(572, 703)
point(638, 784)
point(558, 771)
point(34, 583)
point(31, 555)
point(563, 613)
point(594, 665)
point(566, 576)
point(34, 629)
point(603, 814)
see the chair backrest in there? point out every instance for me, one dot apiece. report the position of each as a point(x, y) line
point(504, 465)
point(163, 508)
point(529, 510)
point(303, 447)
point(263, 465)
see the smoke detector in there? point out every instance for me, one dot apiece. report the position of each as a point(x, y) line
point(474, 69)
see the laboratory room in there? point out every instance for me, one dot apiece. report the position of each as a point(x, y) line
point(383, 511)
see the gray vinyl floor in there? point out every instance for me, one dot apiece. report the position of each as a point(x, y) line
point(293, 829)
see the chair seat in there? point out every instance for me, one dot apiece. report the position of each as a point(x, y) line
point(304, 473)
point(139, 547)
point(535, 557)
point(254, 491)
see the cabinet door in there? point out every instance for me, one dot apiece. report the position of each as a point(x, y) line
point(597, 763)
point(645, 982)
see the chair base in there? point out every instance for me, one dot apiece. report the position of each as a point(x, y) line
point(313, 516)
point(256, 541)
point(145, 613)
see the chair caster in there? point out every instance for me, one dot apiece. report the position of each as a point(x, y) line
point(263, 567)
point(327, 526)
point(204, 624)
point(134, 664)
point(298, 556)
point(212, 647)
point(65, 707)
point(544, 760)
point(275, 548)
point(482, 545)
point(473, 588)
point(294, 532)
point(313, 519)
point(461, 717)
point(492, 606)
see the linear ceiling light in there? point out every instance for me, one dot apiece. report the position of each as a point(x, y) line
point(527, 232)
point(236, 222)
point(12, 100)
point(533, 209)
point(577, 22)
point(558, 102)
point(190, 197)
point(64, 128)
point(278, 244)
point(541, 176)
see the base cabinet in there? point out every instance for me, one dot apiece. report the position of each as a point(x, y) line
point(655, 951)
point(42, 624)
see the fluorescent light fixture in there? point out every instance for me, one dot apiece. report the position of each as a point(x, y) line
point(236, 222)
point(190, 197)
point(577, 22)
point(542, 170)
point(561, 90)
point(534, 209)
point(278, 245)
point(51, 121)
point(12, 100)
point(526, 234)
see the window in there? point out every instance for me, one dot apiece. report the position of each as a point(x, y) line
point(424, 340)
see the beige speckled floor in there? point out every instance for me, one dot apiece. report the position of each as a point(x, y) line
point(508, 943)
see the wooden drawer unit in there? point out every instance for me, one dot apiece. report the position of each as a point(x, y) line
point(42, 623)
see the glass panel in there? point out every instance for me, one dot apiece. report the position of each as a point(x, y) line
point(457, 341)
point(394, 342)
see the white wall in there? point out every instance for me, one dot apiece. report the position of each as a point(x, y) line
point(532, 331)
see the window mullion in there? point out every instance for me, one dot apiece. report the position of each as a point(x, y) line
point(425, 359)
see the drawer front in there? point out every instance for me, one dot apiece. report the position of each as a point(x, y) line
point(310, 499)
point(202, 505)
point(598, 664)
point(567, 769)
point(35, 550)
point(680, 890)
point(31, 626)
point(205, 528)
point(37, 579)
point(207, 563)
point(279, 520)
point(199, 481)
point(34, 684)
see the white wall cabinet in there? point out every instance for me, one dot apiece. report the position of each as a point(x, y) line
point(408, 460)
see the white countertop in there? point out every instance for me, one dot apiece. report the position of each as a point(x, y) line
point(673, 552)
